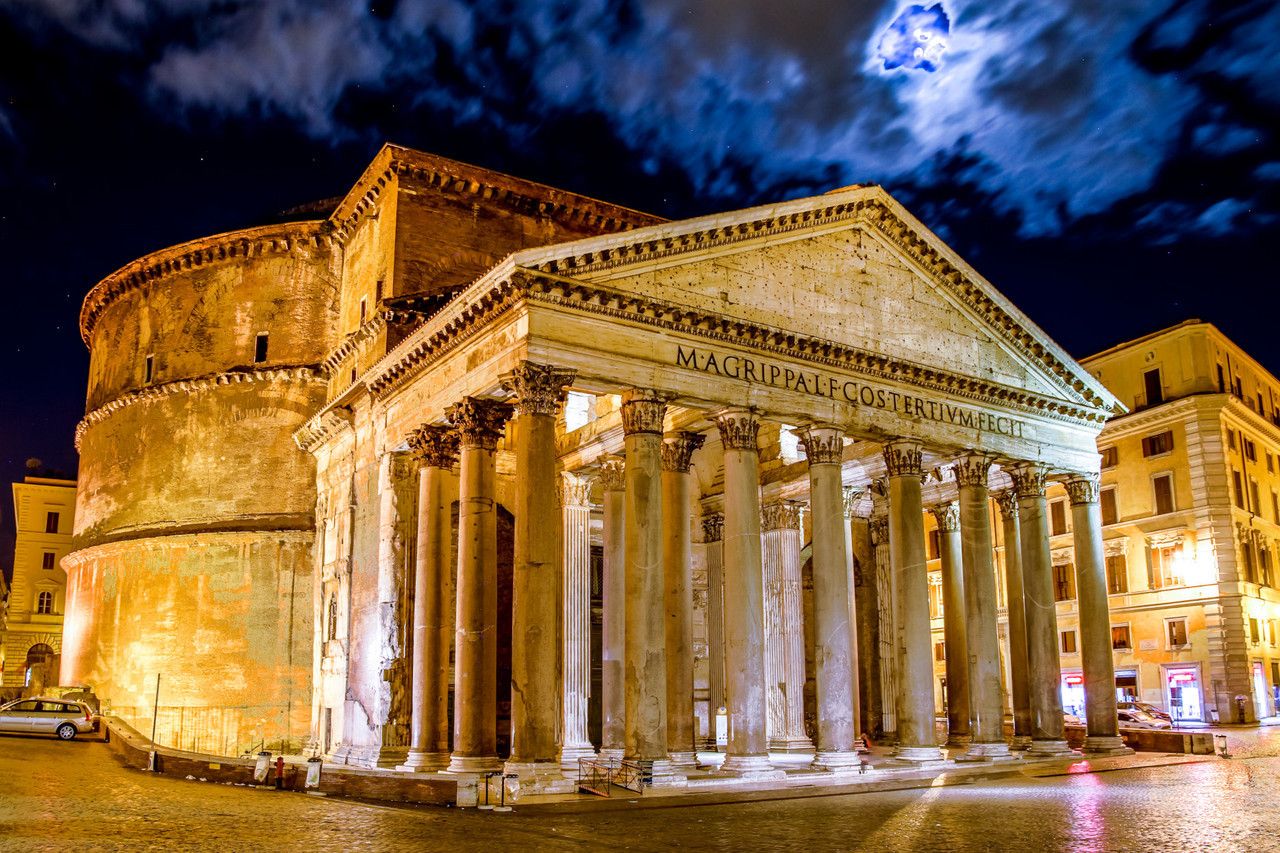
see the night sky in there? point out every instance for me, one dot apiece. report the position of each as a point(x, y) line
point(1112, 167)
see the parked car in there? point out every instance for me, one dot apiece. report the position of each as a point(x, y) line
point(1132, 718)
point(1146, 707)
point(44, 715)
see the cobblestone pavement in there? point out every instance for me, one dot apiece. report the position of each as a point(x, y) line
point(75, 796)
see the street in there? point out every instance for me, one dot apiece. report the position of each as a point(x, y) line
point(75, 796)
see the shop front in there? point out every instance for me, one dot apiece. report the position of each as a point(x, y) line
point(1183, 693)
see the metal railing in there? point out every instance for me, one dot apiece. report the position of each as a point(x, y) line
point(599, 777)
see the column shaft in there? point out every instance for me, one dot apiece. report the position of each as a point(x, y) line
point(712, 533)
point(677, 561)
point(748, 749)
point(887, 628)
point(784, 627)
point(954, 628)
point(1103, 727)
point(437, 449)
point(986, 708)
point(613, 627)
point(577, 619)
point(1018, 676)
point(1044, 672)
point(475, 693)
point(645, 652)
point(832, 604)
point(916, 738)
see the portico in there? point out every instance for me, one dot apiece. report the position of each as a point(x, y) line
point(842, 325)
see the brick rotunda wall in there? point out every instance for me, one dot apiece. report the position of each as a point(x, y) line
point(194, 517)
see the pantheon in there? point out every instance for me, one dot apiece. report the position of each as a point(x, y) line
point(476, 473)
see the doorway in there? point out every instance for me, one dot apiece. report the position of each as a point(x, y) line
point(1183, 693)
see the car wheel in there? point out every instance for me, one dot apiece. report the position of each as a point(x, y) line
point(66, 731)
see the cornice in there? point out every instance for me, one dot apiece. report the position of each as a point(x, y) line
point(306, 373)
point(321, 428)
point(868, 207)
point(206, 251)
point(477, 184)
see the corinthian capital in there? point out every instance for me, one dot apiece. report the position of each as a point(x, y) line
point(613, 476)
point(947, 515)
point(738, 429)
point(642, 411)
point(822, 444)
point(780, 515)
point(1083, 488)
point(539, 389)
point(713, 527)
point(1007, 500)
point(575, 490)
point(902, 458)
point(480, 422)
point(972, 469)
point(852, 497)
point(879, 528)
point(435, 446)
point(677, 450)
point(1028, 479)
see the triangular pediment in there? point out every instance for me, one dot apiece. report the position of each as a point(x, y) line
point(852, 268)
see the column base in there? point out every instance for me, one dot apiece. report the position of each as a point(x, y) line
point(750, 767)
point(611, 753)
point(958, 741)
point(837, 760)
point(537, 777)
point(1020, 742)
point(570, 755)
point(998, 751)
point(662, 773)
point(1050, 749)
point(424, 762)
point(1105, 745)
point(685, 760)
point(919, 754)
point(792, 743)
point(470, 764)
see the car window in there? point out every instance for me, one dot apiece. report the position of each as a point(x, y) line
point(51, 707)
point(71, 709)
point(25, 706)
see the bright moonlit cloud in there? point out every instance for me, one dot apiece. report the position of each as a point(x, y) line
point(916, 39)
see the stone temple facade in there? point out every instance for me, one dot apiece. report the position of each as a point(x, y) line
point(477, 469)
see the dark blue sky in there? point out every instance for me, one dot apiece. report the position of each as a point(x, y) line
point(1112, 167)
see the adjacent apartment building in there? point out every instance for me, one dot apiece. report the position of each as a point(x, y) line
point(44, 508)
point(1190, 503)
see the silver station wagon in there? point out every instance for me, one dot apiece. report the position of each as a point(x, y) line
point(43, 715)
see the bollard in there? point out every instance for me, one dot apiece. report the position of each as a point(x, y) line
point(313, 772)
point(486, 776)
point(279, 772)
point(502, 806)
point(261, 767)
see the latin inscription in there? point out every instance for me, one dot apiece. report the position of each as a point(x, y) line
point(765, 372)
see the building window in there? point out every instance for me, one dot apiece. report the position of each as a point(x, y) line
point(1162, 569)
point(935, 595)
point(51, 522)
point(1068, 642)
point(333, 617)
point(1264, 561)
point(1238, 487)
point(1222, 381)
point(377, 292)
point(1154, 388)
point(1120, 640)
point(364, 310)
point(1255, 501)
point(1255, 634)
point(1110, 457)
point(1176, 632)
point(1275, 634)
point(1117, 574)
point(260, 348)
point(48, 560)
point(1107, 503)
point(935, 543)
point(1231, 439)
point(1271, 464)
point(1275, 507)
point(1155, 445)
point(149, 370)
point(940, 651)
point(1058, 518)
point(1163, 484)
point(44, 603)
point(1250, 568)
point(1250, 449)
point(1064, 582)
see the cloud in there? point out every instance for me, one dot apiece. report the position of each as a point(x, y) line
point(1050, 97)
